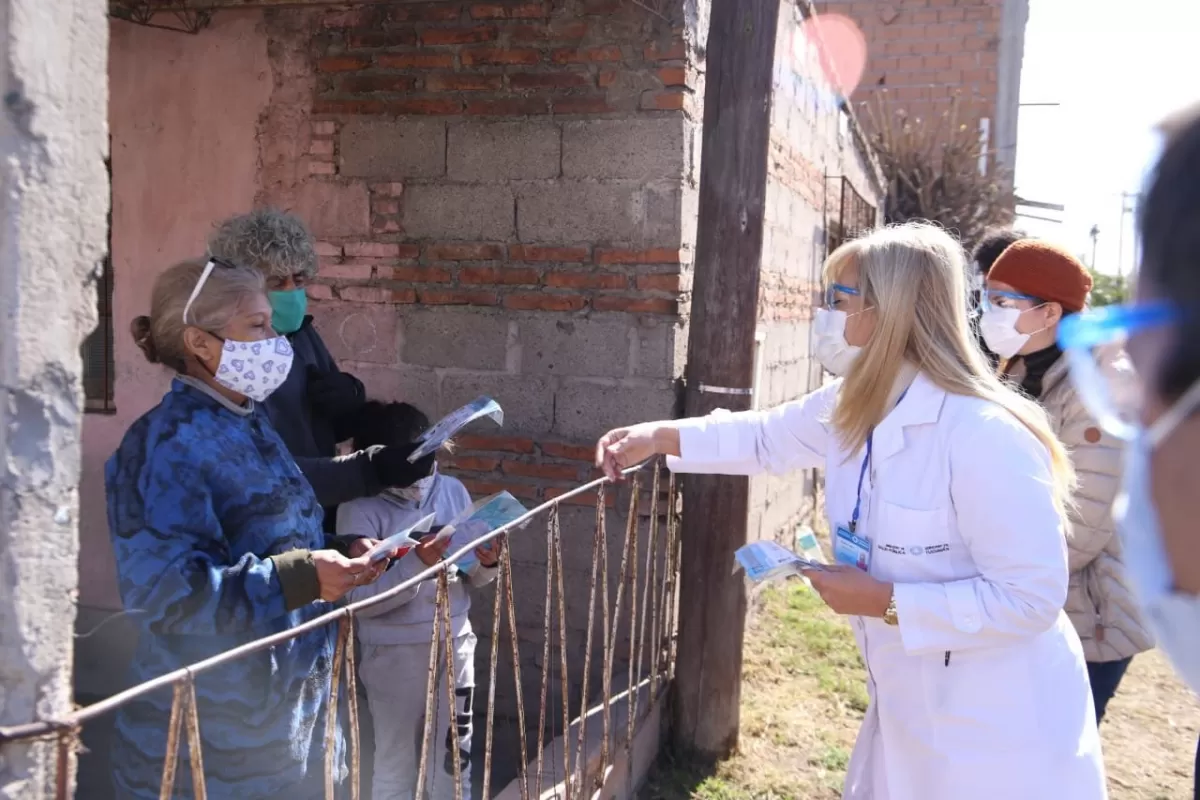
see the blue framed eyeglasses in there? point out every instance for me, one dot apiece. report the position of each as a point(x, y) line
point(834, 289)
point(995, 298)
point(1105, 377)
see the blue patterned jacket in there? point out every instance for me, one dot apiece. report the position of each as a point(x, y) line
point(200, 493)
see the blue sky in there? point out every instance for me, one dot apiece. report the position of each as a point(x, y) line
point(1116, 72)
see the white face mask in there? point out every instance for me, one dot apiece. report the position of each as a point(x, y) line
point(999, 329)
point(255, 369)
point(417, 492)
point(252, 369)
point(1173, 618)
point(831, 348)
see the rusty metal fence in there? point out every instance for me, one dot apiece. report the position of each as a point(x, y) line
point(648, 604)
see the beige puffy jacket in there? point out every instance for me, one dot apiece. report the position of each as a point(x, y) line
point(1099, 600)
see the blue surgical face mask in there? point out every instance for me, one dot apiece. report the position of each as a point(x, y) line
point(1173, 618)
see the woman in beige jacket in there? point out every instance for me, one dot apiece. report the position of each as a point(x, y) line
point(1029, 289)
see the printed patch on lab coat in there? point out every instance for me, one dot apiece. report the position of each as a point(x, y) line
point(914, 549)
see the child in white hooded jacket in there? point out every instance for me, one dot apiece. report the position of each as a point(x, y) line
point(395, 636)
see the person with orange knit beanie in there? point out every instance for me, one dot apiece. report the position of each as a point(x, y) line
point(1031, 287)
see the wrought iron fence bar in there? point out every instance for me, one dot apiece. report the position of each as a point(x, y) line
point(523, 763)
point(452, 743)
point(354, 749)
point(489, 735)
point(191, 722)
point(47, 728)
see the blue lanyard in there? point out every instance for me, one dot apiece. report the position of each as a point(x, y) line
point(862, 473)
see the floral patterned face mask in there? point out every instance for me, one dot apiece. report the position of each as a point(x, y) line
point(255, 369)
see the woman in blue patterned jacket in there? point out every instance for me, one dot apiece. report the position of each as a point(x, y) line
point(218, 541)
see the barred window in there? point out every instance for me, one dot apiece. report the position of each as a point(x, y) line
point(851, 214)
point(98, 362)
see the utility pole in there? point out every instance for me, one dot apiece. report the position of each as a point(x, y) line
point(733, 180)
point(1126, 209)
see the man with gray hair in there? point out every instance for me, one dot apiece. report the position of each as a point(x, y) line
point(317, 405)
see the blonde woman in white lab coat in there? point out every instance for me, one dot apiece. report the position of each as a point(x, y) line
point(946, 491)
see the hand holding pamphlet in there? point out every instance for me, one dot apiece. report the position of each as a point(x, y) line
point(767, 560)
point(400, 543)
point(455, 421)
point(480, 519)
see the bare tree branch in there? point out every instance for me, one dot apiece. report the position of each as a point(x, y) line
point(932, 170)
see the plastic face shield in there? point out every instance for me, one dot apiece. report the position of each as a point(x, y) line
point(1094, 344)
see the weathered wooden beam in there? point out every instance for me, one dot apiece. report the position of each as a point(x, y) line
point(733, 183)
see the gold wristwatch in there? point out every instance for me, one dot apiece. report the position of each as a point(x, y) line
point(890, 617)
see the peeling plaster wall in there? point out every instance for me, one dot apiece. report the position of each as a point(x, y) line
point(52, 233)
point(184, 113)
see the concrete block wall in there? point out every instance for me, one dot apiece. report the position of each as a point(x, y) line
point(813, 147)
point(501, 193)
point(922, 53)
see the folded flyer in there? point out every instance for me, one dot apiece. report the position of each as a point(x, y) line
point(483, 517)
point(807, 545)
point(402, 542)
point(768, 560)
point(455, 421)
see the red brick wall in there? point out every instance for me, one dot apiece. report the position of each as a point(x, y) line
point(812, 148)
point(410, 220)
point(499, 58)
point(503, 196)
point(495, 275)
point(922, 52)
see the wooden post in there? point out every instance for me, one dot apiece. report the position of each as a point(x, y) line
point(733, 180)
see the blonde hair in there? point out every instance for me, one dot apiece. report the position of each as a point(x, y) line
point(914, 276)
point(160, 335)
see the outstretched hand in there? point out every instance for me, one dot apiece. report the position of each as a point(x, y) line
point(622, 448)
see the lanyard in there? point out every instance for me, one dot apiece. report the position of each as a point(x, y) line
point(862, 473)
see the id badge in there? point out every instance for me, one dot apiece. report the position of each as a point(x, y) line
point(851, 549)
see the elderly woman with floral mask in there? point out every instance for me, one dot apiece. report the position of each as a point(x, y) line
point(218, 541)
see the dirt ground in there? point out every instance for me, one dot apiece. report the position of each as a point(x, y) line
point(804, 696)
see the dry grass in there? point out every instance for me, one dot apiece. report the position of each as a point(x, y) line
point(803, 700)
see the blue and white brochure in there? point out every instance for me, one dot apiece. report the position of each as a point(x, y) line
point(767, 560)
point(455, 421)
point(400, 543)
point(479, 520)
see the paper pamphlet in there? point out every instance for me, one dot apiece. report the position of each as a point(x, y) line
point(767, 560)
point(455, 421)
point(483, 517)
point(403, 541)
point(807, 545)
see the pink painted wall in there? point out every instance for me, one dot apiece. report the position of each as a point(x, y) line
point(183, 112)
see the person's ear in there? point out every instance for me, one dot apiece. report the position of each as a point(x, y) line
point(1054, 314)
point(202, 346)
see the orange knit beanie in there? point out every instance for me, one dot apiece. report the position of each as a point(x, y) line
point(1045, 271)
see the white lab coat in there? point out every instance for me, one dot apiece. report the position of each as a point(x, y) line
point(981, 691)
